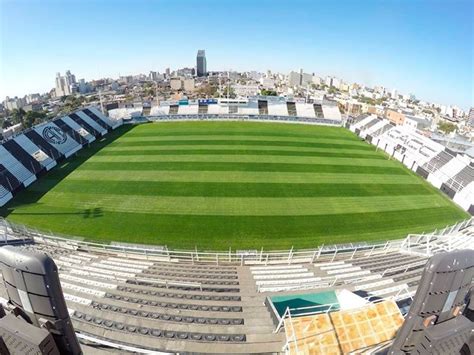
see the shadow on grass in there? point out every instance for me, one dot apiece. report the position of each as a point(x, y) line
point(87, 213)
point(45, 183)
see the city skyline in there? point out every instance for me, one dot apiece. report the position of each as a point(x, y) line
point(418, 57)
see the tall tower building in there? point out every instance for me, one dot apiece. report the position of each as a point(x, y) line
point(201, 64)
point(65, 85)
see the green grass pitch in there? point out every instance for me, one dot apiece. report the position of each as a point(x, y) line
point(215, 185)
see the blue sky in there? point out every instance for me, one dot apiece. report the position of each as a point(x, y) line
point(425, 47)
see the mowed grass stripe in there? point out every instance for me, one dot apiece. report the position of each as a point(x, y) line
point(140, 143)
point(226, 189)
point(212, 137)
point(267, 158)
point(240, 177)
point(159, 131)
point(144, 152)
point(108, 209)
point(232, 166)
point(241, 206)
point(249, 147)
point(237, 232)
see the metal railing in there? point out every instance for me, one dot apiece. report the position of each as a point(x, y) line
point(404, 268)
point(402, 294)
point(439, 240)
point(291, 256)
point(236, 257)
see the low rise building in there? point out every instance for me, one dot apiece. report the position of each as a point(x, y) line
point(395, 117)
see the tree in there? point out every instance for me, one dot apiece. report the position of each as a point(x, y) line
point(72, 103)
point(33, 117)
point(6, 124)
point(266, 92)
point(229, 92)
point(207, 90)
point(446, 127)
point(342, 108)
point(149, 91)
point(18, 115)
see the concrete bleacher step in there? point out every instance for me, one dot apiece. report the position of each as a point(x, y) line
point(346, 270)
point(275, 267)
point(289, 281)
point(161, 343)
point(279, 271)
point(283, 276)
point(24, 176)
point(337, 266)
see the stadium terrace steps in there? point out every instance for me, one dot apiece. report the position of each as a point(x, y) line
point(444, 169)
point(56, 136)
point(79, 129)
point(23, 157)
point(441, 159)
point(109, 122)
point(8, 180)
point(99, 121)
point(92, 123)
point(196, 312)
point(86, 124)
point(45, 146)
point(5, 195)
point(17, 169)
point(36, 152)
point(107, 301)
point(71, 132)
point(28, 154)
point(462, 178)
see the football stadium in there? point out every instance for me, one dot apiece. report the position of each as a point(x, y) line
point(243, 227)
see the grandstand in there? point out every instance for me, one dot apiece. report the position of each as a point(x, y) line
point(140, 300)
point(260, 107)
point(30, 153)
point(450, 172)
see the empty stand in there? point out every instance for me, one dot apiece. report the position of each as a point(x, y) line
point(203, 108)
point(441, 159)
point(291, 108)
point(108, 120)
point(15, 167)
point(8, 180)
point(22, 156)
point(162, 302)
point(45, 146)
point(71, 132)
point(100, 121)
point(34, 151)
point(233, 109)
point(462, 179)
point(81, 122)
point(5, 193)
point(318, 110)
point(98, 127)
point(173, 110)
point(382, 130)
point(79, 129)
point(262, 107)
point(57, 137)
